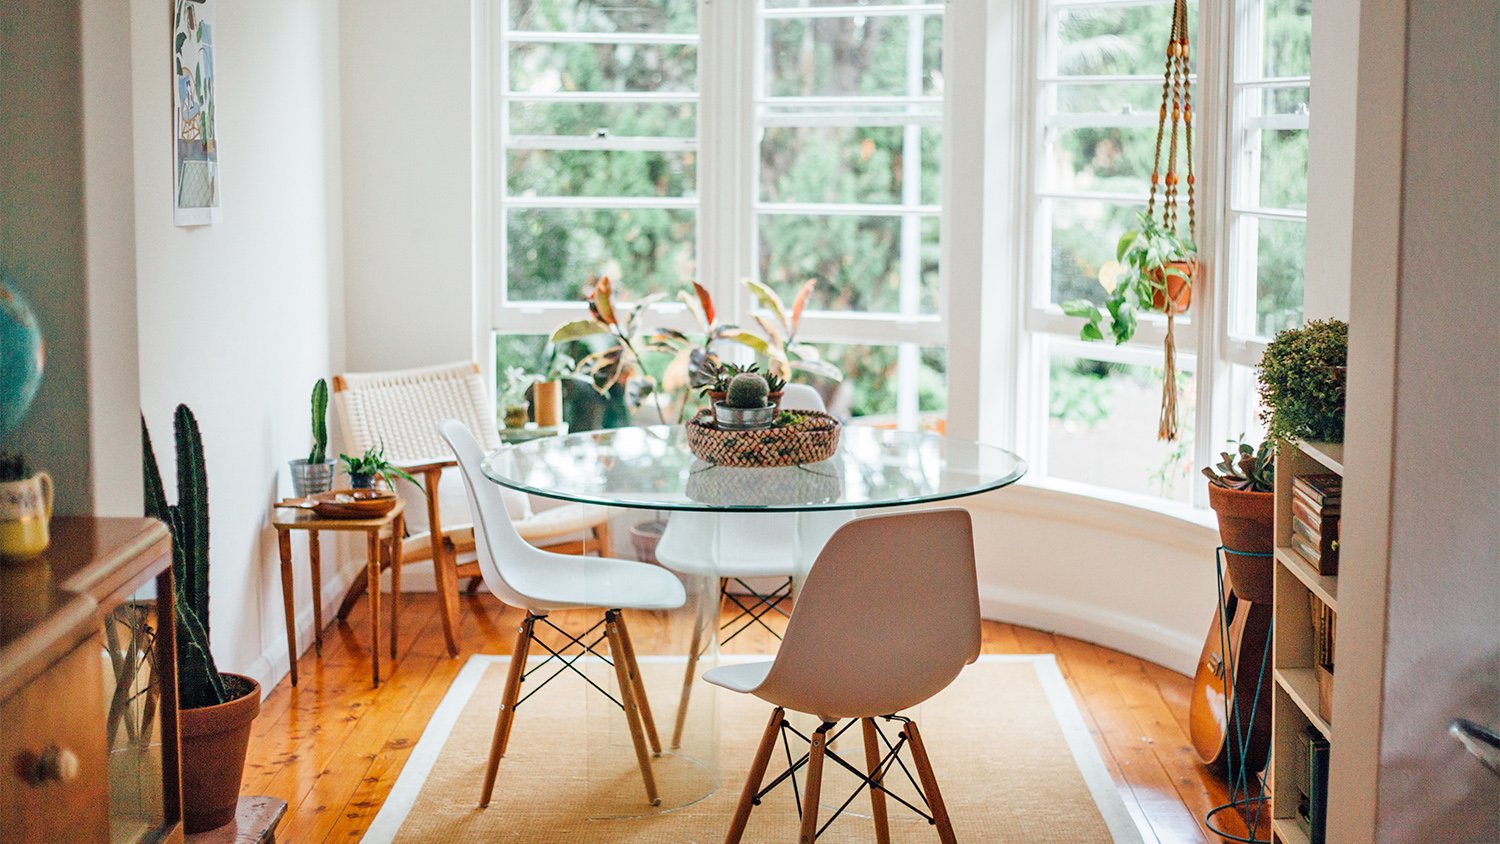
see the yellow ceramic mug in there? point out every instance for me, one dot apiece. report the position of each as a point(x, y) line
point(25, 510)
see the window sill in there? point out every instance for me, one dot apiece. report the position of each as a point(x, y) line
point(1168, 523)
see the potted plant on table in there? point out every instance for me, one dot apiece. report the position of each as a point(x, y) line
point(746, 405)
point(366, 468)
point(514, 408)
point(216, 709)
point(1302, 375)
point(546, 390)
point(315, 474)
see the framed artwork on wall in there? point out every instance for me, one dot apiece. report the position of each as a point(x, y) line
point(195, 137)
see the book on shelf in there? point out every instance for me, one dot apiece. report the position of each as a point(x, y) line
point(1313, 555)
point(1323, 491)
point(1315, 789)
point(1321, 535)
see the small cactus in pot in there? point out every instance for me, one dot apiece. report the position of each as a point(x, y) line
point(745, 406)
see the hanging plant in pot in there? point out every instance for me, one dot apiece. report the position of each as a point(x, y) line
point(1155, 266)
point(216, 709)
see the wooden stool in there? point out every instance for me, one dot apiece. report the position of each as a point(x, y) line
point(383, 536)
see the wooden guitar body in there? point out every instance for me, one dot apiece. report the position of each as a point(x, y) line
point(1211, 734)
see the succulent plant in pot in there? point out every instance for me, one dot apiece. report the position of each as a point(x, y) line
point(746, 406)
point(365, 469)
point(1240, 491)
point(315, 474)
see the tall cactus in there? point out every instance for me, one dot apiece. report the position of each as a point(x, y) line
point(198, 680)
point(319, 451)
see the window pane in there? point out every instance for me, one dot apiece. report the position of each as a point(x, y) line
point(1082, 236)
point(874, 378)
point(1283, 169)
point(1102, 424)
point(805, 4)
point(1287, 30)
point(1100, 160)
point(1112, 98)
point(856, 260)
point(523, 350)
point(1281, 251)
point(837, 56)
point(554, 68)
point(620, 120)
point(536, 172)
point(831, 164)
point(613, 16)
point(932, 56)
point(554, 252)
point(932, 165)
point(1117, 39)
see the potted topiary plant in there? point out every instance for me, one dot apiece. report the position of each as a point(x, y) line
point(216, 709)
point(366, 468)
point(1301, 377)
point(1240, 491)
point(315, 474)
point(746, 406)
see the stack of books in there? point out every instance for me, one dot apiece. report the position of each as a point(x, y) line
point(1316, 504)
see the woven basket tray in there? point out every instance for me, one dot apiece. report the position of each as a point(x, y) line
point(815, 438)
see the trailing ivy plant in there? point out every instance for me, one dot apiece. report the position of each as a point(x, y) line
point(1302, 382)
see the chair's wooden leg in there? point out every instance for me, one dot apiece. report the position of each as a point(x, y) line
point(814, 786)
point(398, 530)
point(754, 778)
point(602, 539)
point(688, 677)
point(930, 784)
point(356, 589)
point(632, 710)
point(284, 543)
point(473, 586)
point(507, 714)
point(520, 656)
point(315, 562)
point(877, 797)
point(647, 720)
point(444, 567)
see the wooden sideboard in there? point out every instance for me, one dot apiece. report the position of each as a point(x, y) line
point(88, 687)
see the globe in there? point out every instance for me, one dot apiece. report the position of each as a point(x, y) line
point(21, 358)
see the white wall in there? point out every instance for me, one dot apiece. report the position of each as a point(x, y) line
point(407, 182)
point(239, 319)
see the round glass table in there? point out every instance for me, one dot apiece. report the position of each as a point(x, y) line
point(727, 526)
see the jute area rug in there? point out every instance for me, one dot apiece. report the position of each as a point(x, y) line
point(1012, 754)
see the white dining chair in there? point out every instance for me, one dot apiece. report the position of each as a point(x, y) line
point(741, 551)
point(540, 581)
point(886, 619)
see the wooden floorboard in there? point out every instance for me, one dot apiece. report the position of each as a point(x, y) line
point(334, 746)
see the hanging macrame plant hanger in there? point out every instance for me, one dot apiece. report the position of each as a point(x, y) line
point(1176, 106)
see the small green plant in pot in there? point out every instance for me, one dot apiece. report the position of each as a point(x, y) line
point(1240, 491)
point(746, 405)
point(217, 709)
point(1301, 377)
point(315, 474)
point(365, 469)
point(515, 410)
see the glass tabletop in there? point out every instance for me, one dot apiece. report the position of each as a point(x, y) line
point(651, 468)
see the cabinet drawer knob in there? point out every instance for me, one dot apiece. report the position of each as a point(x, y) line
point(55, 764)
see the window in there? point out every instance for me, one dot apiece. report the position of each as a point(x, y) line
point(806, 146)
point(1089, 410)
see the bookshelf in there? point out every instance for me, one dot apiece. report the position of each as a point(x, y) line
point(1295, 692)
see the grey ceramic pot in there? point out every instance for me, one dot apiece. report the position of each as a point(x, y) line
point(311, 478)
point(743, 418)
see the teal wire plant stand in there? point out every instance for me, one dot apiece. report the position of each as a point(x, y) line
point(1247, 790)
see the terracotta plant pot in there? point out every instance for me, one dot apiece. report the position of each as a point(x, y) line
point(645, 536)
point(214, 741)
point(1179, 289)
point(1246, 523)
point(546, 403)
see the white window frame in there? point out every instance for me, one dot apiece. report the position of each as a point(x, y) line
point(731, 112)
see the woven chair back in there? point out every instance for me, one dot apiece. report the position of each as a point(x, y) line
point(403, 409)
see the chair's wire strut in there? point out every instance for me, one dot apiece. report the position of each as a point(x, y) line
point(568, 662)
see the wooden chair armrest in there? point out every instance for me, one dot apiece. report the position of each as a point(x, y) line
point(428, 467)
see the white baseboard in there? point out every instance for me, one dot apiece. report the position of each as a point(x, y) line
point(1131, 634)
point(275, 662)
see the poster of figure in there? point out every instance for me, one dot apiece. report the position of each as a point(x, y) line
point(195, 137)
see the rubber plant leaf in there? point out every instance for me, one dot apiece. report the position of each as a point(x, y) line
point(707, 302)
point(578, 329)
point(798, 305)
point(601, 301)
point(691, 303)
point(768, 298)
point(745, 338)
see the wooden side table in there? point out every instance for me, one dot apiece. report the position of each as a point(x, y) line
point(383, 541)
